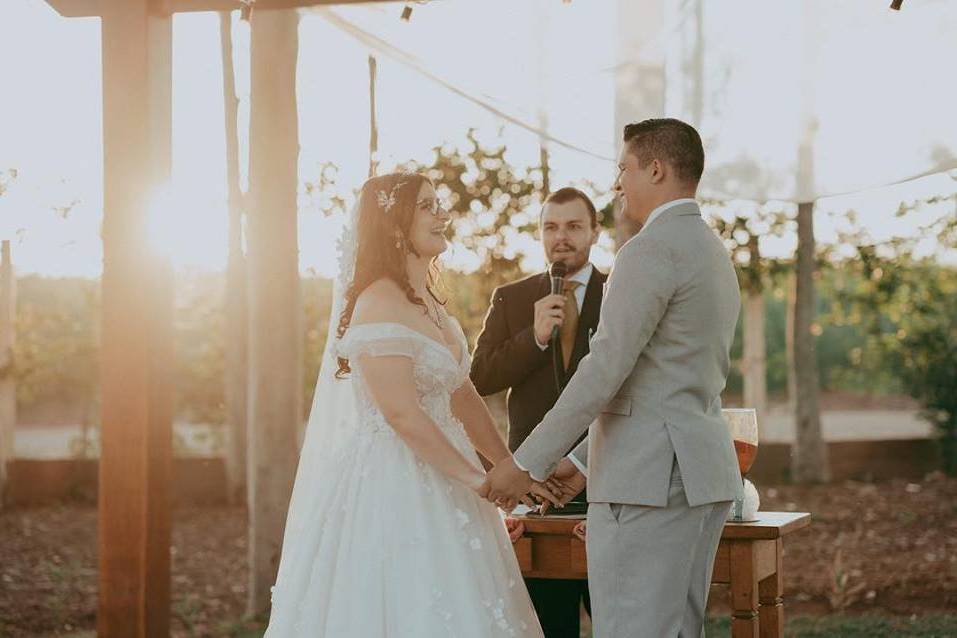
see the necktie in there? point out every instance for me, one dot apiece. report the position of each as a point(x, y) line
point(570, 325)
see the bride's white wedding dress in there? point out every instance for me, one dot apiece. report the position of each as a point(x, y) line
point(389, 547)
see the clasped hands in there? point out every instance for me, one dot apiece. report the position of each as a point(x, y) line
point(506, 485)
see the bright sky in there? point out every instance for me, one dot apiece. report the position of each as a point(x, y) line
point(51, 129)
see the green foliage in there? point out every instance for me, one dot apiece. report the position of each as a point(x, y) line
point(199, 334)
point(907, 310)
point(838, 348)
point(741, 225)
point(57, 352)
point(56, 356)
point(906, 307)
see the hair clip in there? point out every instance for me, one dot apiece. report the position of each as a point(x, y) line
point(386, 202)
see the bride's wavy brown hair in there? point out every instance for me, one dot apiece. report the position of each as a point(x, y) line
point(377, 232)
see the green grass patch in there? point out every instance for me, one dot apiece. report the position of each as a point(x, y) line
point(836, 626)
point(866, 626)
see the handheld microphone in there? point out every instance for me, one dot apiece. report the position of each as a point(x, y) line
point(556, 273)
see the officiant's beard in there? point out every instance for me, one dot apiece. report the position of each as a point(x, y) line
point(574, 260)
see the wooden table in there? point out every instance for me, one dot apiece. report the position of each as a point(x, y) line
point(749, 559)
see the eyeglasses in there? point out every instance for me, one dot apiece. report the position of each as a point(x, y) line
point(432, 206)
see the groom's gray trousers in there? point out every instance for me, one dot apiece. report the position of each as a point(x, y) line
point(649, 568)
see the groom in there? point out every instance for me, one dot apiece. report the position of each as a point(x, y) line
point(660, 464)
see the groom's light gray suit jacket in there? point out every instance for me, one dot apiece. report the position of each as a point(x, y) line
point(651, 385)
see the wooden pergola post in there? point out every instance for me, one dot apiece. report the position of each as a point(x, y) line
point(134, 513)
point(809, 459)
point(754, 356)
point(275, 372)
point(8, 385)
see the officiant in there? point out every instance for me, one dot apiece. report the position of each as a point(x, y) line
point(518, 350)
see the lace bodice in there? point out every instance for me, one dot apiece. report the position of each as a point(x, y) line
point(437, 374)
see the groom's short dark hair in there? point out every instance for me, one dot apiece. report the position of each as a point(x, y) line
point(669, 140)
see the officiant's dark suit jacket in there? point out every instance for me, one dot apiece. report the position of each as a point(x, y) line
point(507, 358)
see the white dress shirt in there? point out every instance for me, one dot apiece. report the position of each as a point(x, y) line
point(658, 211)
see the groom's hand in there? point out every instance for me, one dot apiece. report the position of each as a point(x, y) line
point(567, 481)
point(546, 496)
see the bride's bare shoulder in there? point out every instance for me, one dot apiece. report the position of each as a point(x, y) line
point(382, 300)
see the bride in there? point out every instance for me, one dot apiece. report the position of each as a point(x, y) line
point(386, 535)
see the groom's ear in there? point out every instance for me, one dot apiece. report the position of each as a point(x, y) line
point(659, 171)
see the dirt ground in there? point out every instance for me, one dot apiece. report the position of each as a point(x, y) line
point(880, 548)
point(888, 547)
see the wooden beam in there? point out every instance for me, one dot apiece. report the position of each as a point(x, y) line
point(183, 6)
point(94, 8)
point(76, 8)
point(136, 438)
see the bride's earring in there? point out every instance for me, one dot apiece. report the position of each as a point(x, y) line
point(398, 240)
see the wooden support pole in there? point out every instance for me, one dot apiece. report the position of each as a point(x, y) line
point(237, 315)
point(373, 123)
point(809, 459)
point(8, 385)
point(754, 358)
point(275, 390)
point(134, 513)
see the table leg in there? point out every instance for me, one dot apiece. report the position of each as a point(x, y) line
point(744, 590)
point(771, 597)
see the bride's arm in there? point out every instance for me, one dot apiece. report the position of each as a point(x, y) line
point(389, 380)
point(470, 409)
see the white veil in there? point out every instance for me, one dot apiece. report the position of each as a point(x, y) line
point(333, 413)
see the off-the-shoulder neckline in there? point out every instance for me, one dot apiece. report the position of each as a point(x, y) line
point(440, 344)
